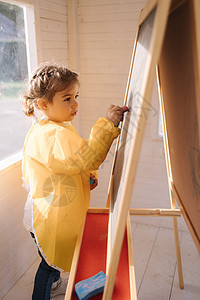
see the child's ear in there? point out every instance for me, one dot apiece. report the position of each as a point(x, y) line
point(42, 104)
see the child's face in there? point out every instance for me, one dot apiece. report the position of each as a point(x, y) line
point(64, 106)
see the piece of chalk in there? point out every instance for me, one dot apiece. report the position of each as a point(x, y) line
point(92, 181)
point(125, 108)
point(90, 287)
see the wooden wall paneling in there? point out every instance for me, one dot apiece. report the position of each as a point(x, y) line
point(99, 52)
point(133, 289)
point(53, 6)
point(110, 7)
point(73, 50)
point(26, 2)
point(51, 30)
point(73, 31)
point(17, 250)
point(38, 31)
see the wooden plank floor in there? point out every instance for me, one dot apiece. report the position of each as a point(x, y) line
point(155, 265)
point(156, 268)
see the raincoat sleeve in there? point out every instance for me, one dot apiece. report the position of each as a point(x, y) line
point(75, 155)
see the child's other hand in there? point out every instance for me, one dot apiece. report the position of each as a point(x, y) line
point(115, 114)
point(93, 185)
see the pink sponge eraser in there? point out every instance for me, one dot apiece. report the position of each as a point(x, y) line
point(125, 108)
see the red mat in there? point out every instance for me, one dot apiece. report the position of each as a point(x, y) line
point(93, 257)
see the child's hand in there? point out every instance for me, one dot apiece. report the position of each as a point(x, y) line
point(93, 185)
point(115, 113)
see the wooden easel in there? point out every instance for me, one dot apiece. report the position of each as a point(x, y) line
point(154, 35)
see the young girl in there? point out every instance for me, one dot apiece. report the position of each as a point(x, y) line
point(57, 167)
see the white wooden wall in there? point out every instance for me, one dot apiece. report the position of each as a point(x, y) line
point(100, 49)
point(52, 32)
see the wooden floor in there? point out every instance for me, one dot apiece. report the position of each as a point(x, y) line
point(155, 264)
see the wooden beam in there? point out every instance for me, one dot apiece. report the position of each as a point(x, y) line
point(133, 288)
point(74, 265)
point(98, 210)
point(186, 218)
point(170, 184)
point(155, 212)
point(147, 10)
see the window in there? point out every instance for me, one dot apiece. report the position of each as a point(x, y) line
point(14, 68)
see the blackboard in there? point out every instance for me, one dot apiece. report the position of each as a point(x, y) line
point(131, 123)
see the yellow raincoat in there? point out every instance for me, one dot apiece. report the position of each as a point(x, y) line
point(57, 164)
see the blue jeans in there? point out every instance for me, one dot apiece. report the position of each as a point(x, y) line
point(44, 279)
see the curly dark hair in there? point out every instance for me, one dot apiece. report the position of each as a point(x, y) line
point(45, 82)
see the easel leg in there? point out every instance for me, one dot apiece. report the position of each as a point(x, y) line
point(177, 243)
point(170, 181)
point(133, 288)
